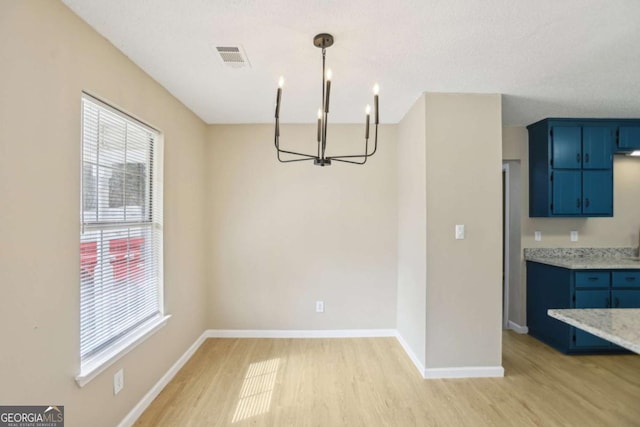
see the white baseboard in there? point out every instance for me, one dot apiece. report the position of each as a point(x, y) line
point(333, 333)
point(135, 413)
point(519, 329)
point(411, 354)
point(464, 372)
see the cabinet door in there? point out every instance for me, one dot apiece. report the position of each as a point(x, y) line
point(627, 298)
point(567, 192)
point(629, 137)
point(566, 147)
point(591, 299)
point(597, 148)
point(597, 192)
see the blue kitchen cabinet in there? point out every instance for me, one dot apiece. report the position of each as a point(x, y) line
point(567, 192)
point(597, 198)
point(625, 298)
point(566, 147)
point(571, 168)
point(625, 289)
point(590, 299)
point(628, 138)
point(550, 287)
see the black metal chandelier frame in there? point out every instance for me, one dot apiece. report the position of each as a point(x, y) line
point(324, 41)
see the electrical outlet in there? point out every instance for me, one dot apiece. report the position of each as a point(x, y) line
point(574, 236)
point(460, 232)
point(319, 306)
point(537, 236)
point(118, 382)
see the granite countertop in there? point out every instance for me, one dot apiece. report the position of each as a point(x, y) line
point(619, 325)
point(585, 258)
point(585, 263)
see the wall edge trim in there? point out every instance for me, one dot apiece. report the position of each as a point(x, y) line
point(301, 333)
point(407, 349)
point(518, 328)
point(464, 372)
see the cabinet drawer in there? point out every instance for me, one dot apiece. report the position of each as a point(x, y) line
point(626, 279)
point(592, 279)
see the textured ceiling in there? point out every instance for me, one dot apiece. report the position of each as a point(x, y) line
point(549, 58)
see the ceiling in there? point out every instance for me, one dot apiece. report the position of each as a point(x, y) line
point(549, 58)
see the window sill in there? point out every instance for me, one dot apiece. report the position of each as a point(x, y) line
point(93, 368)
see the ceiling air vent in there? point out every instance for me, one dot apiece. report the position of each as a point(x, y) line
point(233, 56)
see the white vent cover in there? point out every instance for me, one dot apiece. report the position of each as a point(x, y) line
point(233, 56)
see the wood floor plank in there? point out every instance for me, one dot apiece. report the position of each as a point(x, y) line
point(372, 382)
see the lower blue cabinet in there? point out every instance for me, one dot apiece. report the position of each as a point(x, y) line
point(556, 287)
point(590, 298)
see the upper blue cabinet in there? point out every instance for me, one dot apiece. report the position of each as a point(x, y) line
point(628, 137)
point(571, 167)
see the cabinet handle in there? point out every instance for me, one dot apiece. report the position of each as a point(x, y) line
point(617, 302)
point(608, 302)
point(578, 157)
point(593, 279)
point(586, 202)
point(577, 203)
point(630, 279)
point(586, 158)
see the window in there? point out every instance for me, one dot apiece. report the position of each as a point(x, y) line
point(121, 235)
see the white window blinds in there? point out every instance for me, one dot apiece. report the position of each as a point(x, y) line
point(121, 230)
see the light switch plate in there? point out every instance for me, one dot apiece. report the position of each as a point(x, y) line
point(574, 236)
point(319, 306)
point(459, 231)
point(537, 236)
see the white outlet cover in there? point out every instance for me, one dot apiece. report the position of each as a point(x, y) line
point(574, 236)
point(319, 306)
point(537, 236)
point(460, 232)
point(118, 382)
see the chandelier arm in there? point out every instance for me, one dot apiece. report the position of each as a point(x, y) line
point(349, 161)
point(309, 157)
point(365, 156)
point(294, 160)
point(276, 141)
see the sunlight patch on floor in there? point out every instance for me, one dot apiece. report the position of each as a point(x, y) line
point(256, 391)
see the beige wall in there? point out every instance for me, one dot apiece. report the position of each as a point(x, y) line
point(48, 56)
point(412, 230)
point(463, 173)
point(282, 236)
point(619, 231)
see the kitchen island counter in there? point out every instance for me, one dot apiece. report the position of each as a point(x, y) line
point(620, 326)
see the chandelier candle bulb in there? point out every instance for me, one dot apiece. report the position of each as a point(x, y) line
point(279, 95)
point(376, 90)
point(326, 102)
point(319, 123)
point(366, 126)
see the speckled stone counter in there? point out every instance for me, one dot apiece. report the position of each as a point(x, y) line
point(619, 325)
point(585, 258)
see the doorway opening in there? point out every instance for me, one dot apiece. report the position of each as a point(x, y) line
point(505, 245)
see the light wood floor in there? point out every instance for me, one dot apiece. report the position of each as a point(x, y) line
point(372, 382)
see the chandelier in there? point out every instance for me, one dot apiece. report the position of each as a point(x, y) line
point(324, 41)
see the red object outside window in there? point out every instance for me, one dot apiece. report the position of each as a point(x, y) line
point(88, 259)
point(126, 258)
